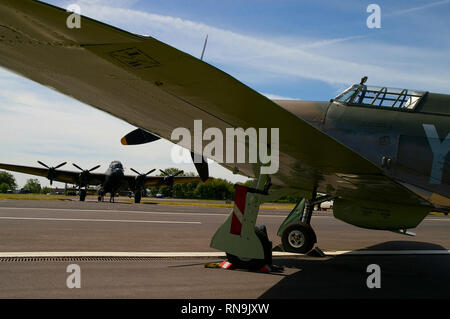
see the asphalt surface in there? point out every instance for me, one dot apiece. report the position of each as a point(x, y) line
point(62, 226)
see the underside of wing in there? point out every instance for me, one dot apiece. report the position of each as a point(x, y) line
point(159, 88)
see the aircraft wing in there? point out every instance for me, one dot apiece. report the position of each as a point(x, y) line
point(156, 87)
point(59, 175)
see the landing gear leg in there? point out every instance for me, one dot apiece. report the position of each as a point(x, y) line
point(82, 195)
point(137, 196)
point(296, 233)
point(309, 208)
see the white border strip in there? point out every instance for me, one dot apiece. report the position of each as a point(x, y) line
point(211, 254)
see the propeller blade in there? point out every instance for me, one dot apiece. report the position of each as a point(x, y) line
point(138, 136)
point(135, 171)
point(164, 172)
point(77, 166)
point(62, 164)
point(94, 168)
point(180, 172)
point(151, 171)
point(202, 167)
point(43, 164)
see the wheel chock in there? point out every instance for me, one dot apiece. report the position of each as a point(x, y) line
point(265, 269)
point(316, 252)
point(278, 248)
point(226, 265)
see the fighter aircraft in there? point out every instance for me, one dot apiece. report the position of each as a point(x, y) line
point(381, 154)
point(112, 181)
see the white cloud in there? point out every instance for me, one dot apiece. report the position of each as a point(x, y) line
point(278, 97)
point(418, 8)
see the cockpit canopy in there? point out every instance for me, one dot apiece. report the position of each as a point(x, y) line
point(116, 164)
point(363, 95)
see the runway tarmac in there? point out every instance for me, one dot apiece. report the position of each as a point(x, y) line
point(69, 228)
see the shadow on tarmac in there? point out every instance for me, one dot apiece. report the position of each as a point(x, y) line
point(345, 276)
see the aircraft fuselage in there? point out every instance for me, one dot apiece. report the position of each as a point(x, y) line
point(411, 146)
point(113, 179)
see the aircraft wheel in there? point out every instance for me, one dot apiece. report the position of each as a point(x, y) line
point(82, 195)
point(298, 238)
point(137, 197)
point(254, 264)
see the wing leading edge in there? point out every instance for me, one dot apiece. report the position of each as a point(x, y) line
point(59, 175)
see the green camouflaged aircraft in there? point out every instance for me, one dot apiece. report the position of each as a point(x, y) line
point(381, 154)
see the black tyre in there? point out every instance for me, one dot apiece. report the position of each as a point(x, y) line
point(298, 238)
point(137, 197)
point(82, 195)
point(254, 264)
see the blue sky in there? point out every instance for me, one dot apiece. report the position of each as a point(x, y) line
point(308, 50)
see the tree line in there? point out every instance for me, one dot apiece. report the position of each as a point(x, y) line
point(8, 185)
point(216, 188)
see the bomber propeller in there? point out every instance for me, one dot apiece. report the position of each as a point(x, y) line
point(51, 170)
point(84, 175)
point(169, 179)
point(141, 177)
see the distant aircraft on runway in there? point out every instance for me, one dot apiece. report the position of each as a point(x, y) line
point(112, 181)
